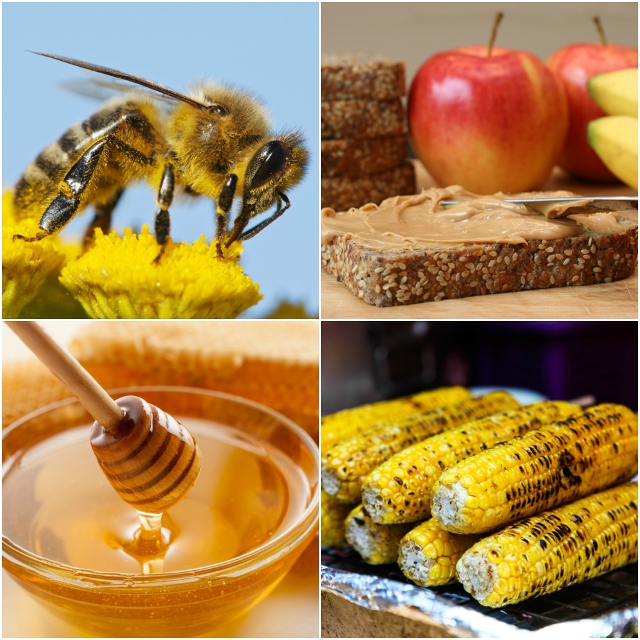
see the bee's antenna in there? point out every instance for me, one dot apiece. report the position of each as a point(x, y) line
point(136, 80)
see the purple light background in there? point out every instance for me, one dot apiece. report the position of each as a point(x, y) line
point(365, 361)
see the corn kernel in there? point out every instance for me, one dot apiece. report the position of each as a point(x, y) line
point(439, 545)
point(435, 571)
point(472, 502)
point(467, 481)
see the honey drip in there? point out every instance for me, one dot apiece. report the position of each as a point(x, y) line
point(150, 542)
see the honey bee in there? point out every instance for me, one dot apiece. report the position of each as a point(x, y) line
point(214, 142)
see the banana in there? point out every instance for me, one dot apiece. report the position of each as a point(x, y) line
point(616, 93)
point(615, 140)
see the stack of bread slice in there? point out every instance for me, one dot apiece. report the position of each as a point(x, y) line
point(364, 138)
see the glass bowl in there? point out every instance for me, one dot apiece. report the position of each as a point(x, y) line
point(181, 603)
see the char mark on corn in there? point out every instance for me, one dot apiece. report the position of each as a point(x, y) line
point(554, 549)
point(344, 465)
point(553, 465)
point(399, 490)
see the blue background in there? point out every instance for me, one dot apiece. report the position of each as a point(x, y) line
point(270, 49)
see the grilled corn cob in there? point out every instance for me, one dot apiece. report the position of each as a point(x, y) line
point(376, 543)
point(399, 490)
point(427, 555)
point(333, 514)
point(350, 422)
point(344, 465)
point(555, 549)
point(550, 466)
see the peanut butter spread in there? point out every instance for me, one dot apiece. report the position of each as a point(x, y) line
point(420, 222)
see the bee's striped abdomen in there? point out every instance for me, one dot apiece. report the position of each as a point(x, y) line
point(39, 183)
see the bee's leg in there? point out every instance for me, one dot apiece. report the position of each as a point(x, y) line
point(102, 219)
point(223, 207)
point(64, 206)
point(259, 227)
point(162, 225)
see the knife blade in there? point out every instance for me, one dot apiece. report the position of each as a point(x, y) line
point(616, 203)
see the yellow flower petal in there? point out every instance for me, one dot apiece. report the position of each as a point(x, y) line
point(118, 278)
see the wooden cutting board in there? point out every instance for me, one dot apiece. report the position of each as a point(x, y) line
point(614, 300)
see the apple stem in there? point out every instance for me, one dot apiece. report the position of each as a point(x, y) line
point(600, 29)
point(494, 32)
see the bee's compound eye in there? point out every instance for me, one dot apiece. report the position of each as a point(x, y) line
point(269, 160)
point(217, 108)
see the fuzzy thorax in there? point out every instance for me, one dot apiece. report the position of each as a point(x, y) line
point(210, 144)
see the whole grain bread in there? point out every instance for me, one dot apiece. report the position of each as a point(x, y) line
point(361, 118)
point(409, 276)
point(342, 193)
point(361, 156)
point(353, 76)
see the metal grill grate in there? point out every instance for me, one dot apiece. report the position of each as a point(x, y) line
point(588, 599)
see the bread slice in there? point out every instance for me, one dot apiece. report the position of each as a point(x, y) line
point(362, 156)
point(408, 276)
point(343, 192)
point(361, 118)
point(353, 76)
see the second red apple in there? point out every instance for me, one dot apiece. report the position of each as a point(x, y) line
point(575, 65)
point(487, 122)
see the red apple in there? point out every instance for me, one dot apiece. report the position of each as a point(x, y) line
point(574, 65)
point(487, 122)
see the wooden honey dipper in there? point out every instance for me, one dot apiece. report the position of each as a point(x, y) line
point(149, 458)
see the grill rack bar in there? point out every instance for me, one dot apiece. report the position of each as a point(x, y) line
point(590, 599)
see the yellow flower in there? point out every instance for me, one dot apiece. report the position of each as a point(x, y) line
point(286, 309)
point(25, 265)
point(118, 278)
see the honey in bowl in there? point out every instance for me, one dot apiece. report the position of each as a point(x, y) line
point(222, 547)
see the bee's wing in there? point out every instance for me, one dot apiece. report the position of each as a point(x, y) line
point(143, 82)
point(101, 90)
